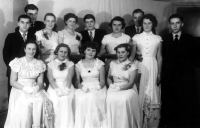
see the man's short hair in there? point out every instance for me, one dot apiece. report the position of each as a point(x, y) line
point(88, 16)
point(24, 16)
point(175, 16)
point(138, 11)
point(30, 7)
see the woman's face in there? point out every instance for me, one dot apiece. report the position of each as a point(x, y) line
point(116, 26)
point(147, 25)
point(90, 53)
point(122, 54)
point(30, 50)
point(71, 23)
point(62, 53)
point(49, 22)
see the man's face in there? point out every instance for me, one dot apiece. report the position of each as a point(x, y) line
point(176, 25)
point(89, 23)
point(24, 24)
point(137, 18)
point(33, 14)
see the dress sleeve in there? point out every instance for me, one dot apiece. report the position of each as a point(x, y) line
point(133, 67)
point(38, 36)
point(78, 65)
point(100, 64)
point(159, 39)
point(60, 34)
point(15, 65)
point(41, 66)
point(50, 65)
point(70, 64)
point(134, 38)
point(104, 40)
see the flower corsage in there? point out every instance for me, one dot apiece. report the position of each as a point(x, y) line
point(127, 66)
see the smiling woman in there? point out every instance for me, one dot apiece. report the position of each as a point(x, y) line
point(47, 38)
point(27, 92)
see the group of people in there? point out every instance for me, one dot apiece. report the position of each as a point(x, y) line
point(91, 79)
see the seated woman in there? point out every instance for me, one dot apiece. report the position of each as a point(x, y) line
point(110, 41)
point(122, 97)
point(47, 38)
point(71, 37)
point(27, 98)
point(91, 95)
point(61, 90)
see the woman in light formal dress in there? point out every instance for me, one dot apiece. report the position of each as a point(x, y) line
point(122, 97)
point(110, 41)
point(61, 90)
point(27, 99)
point(91, 95)
point(47, 38)
point(70, 37)
point(149, 46)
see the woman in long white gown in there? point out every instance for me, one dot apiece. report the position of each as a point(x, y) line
point(47, 38)
point(122, 97)
point(70, 37)
point(61, 90)
point(149, 45)
point(27, 99)
point(91, 95)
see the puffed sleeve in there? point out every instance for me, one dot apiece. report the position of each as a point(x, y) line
point(78, 65)
point(15, 65)
point(60, 34)
point(104, 40)
point(38, 37)
point(100, 64)
point(132, 68)
point(159, 39)
point(135, 38)
point(70, 64)
point(50, 65)
point(41, 66)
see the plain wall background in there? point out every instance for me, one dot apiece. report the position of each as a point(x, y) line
point(104, 11)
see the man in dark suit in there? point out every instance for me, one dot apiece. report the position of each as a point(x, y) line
point(136, 28)
point(179, 94)
point(14, 41)
point(32, 11)
point(91, 33)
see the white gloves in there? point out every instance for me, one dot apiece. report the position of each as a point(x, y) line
point(85, 89)
point(35, 89)
point(113, 88)
point(62, 92)
point(28, 89)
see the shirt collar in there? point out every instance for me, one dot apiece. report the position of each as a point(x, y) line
point(151, 33)
point(23, 33)
point(179, 35)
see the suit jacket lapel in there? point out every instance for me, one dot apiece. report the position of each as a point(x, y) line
point(20, 38)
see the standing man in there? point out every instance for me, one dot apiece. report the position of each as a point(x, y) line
point(91, 33)
point(136, 28)
point(179, 96)
point(14, 42)
point(32, 11)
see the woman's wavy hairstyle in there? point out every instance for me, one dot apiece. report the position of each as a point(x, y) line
point(90, 44)
point(29, 41)
point(153, 19)
point(117, 18)
point(126, 46)
point(63, 45)
point(70, 15)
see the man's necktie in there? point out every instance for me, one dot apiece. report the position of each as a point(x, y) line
point(138, 31)
point(91, 36)
point(24, 37)
point(176, 38)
